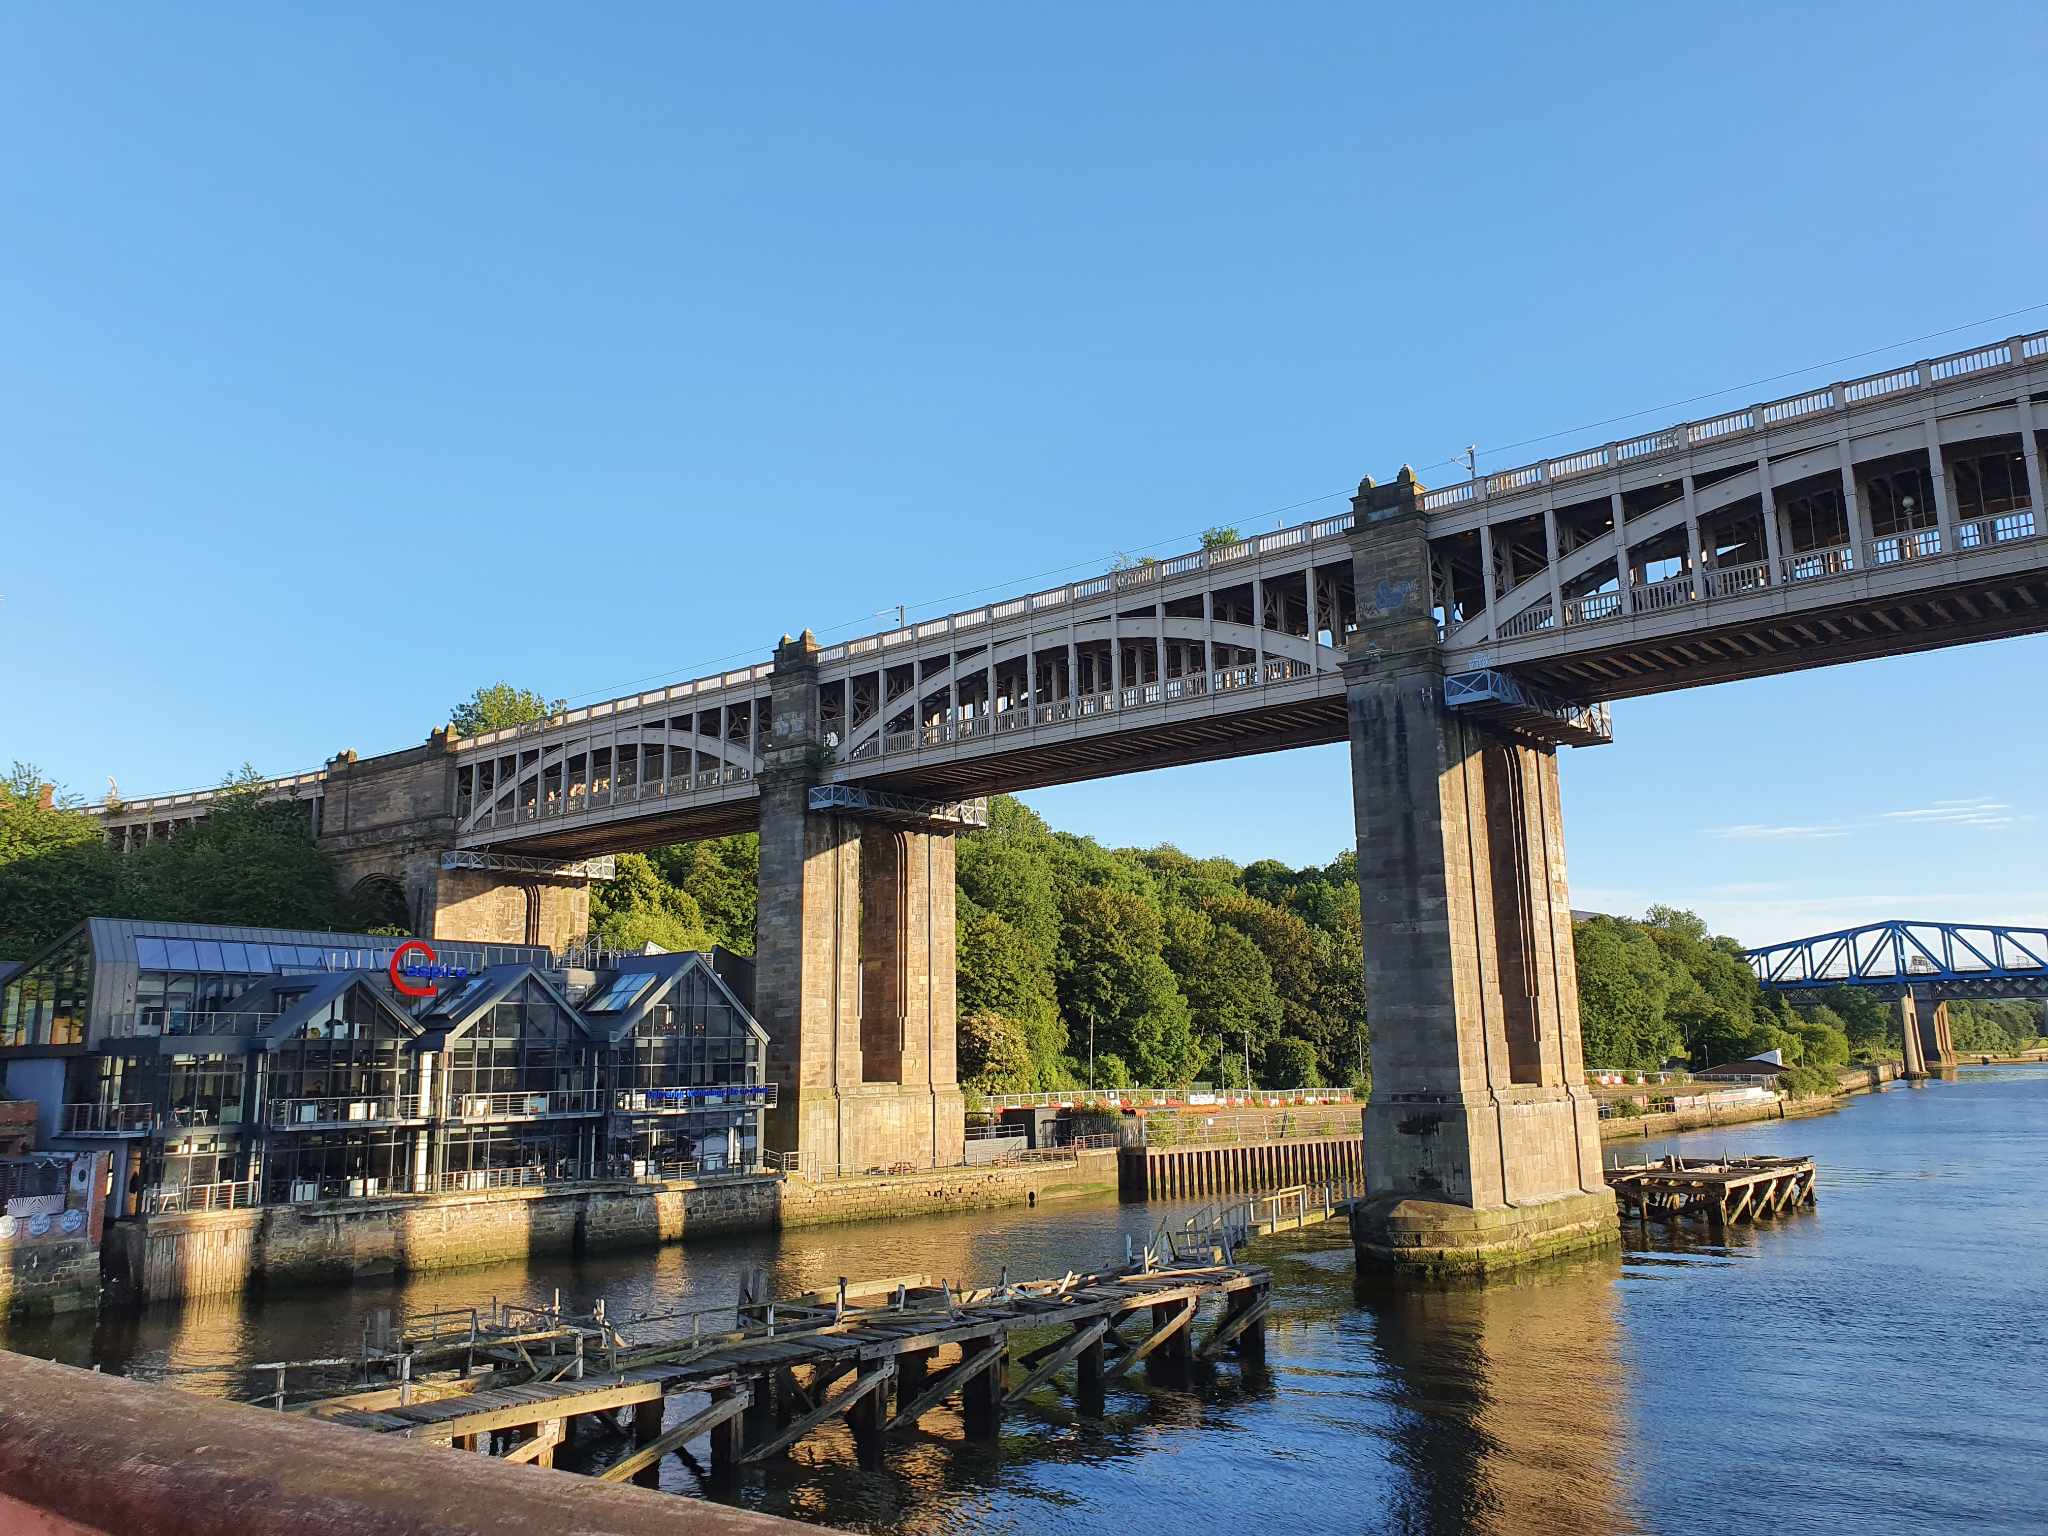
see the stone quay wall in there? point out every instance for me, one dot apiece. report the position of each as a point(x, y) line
point(947, 1189)
point(1851, 1080)
point(216, 1253)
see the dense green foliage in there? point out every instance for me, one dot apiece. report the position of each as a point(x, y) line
point(1663, 988)
point(1172, 969)
point(494, 707)
point(249, 861)
point(1996, 1029)
point(55, 868)
point(689, 896)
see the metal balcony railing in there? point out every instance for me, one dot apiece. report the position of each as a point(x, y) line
point(1918, 544)
point(483, 1178)
point(526, 1106)
point(212, 1021)
point(676, 1101)
point(109, 1119)
point(164, 1199)
point(348, 1109)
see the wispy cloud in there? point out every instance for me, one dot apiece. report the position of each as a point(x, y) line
point(1983, 811)
point(1756, 831)
point(1979, 811)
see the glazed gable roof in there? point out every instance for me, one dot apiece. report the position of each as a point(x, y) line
point(668, 971)
point(454, 1011)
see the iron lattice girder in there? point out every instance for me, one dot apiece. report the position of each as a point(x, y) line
point(1898, 953)
point(1512, 706)
point(603, 868)
point(882, 805)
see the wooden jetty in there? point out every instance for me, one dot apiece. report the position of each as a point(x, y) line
point(880, 1355)
point(1724, 1191)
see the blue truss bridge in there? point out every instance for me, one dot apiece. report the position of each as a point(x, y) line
point(1936, 960)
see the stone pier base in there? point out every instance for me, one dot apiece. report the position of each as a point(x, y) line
point(1429, 1238)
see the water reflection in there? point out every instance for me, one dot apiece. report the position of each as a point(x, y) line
point(1885, 1348)
point(1509, 1401)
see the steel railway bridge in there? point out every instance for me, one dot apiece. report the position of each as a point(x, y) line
point(1455, 636)
point(1920, 966)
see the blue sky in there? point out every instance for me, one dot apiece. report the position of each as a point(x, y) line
point(349, 361)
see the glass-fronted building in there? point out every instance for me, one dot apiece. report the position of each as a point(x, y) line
point(243, 1066)
point(686, 1063)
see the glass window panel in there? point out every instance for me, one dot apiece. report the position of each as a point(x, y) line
point(233, 957)
point(152, 954)
point(209, 955)
point(183, 957)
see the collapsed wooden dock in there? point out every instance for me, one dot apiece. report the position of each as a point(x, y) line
point(881, 1355)
point(1722, 1191)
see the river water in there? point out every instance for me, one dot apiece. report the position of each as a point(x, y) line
point(1875, 1365)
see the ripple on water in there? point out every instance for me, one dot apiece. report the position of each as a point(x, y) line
point(1873, 1365)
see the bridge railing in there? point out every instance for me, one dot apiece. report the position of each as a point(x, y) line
point(910, 736)
point(1728, 426)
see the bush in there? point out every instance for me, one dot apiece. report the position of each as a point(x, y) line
point(1808, 1082)
point(1291, 1063)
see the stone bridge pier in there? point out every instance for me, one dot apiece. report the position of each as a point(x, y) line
point(854, 963)
point(388, 823)
point(1923, 1025)
point(1482, 1143)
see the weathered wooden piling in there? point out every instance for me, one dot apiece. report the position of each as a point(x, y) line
point(1721, 1191)
point(781, 1369)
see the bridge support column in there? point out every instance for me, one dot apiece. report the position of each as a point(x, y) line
point(1482, 1143)
point(854, 975)
point(1930, 1048)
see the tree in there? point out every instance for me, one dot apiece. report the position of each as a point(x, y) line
point(1228, 985)
point(1000, 972)
point(55, 866)
point(1291, 1063)
point(1008, 869)
point(995, 1057)
point(1623, 984)
point(1823, 1041)
point(722, 876)
point(1116, 990)
point(638, 907)
point(1220, 537)
point(251, 860)
point(494, 707)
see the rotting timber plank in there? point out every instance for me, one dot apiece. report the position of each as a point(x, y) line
point(970, 1366)
point(1066, 1349)
point(901, 1336)
point(869, 1381)
point(1181, 1317)
point(473, 1418)
point(730, 1406)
